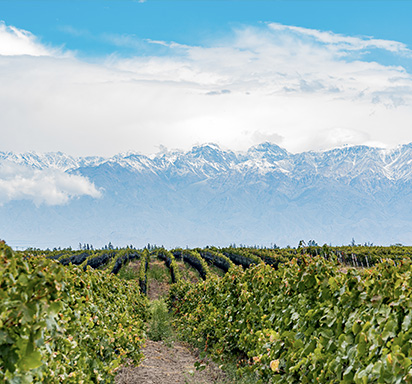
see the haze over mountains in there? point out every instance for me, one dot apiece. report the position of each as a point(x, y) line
point(208, 196)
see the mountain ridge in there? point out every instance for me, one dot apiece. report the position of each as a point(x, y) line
point(209, 159)
point(211, 196)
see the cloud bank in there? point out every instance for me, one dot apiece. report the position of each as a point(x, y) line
point(304, 88)
point(49, 187)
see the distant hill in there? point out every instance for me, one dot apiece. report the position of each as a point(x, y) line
point(211, 196)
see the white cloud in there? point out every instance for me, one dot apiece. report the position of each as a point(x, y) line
point(338, 136)
point(14, 41)
point(261, 137)
point(275, 81)
point(344, 42)
point(49, 187)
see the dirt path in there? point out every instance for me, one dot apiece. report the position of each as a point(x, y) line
point(158, 279)
point(157, 289)
point(165, 364)
point(168, 365)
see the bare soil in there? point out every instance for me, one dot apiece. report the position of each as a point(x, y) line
point(135, 265)
point(188, 273)
point(169, 365)
point(216, 270)
point(157, 289)
point(158, 279)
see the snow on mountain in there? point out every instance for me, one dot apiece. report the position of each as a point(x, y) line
point(53, 160)
point(208, 195)
point(209, 160)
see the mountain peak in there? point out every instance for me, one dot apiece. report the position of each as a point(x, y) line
point(208, 160)
point(268, 151)
point(212, 194)
point(206, 147)
point(267, 145)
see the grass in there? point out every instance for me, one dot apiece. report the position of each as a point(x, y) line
point(227, 375)
point(228, 367)
point(159, 272)
point(188, 273)
point(159, 326)
point(232, 377)
point(128, 273)
point(216, 270)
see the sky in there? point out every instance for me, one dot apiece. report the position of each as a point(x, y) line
point(103, 77)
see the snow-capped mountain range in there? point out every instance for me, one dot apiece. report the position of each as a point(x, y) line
point(209, 160)
point(208, 195)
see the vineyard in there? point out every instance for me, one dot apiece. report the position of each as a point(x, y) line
point(305, 315)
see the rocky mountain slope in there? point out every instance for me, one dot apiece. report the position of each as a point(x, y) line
point(209, 195)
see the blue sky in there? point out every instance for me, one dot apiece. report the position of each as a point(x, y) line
point(100, 77)
point(79, 25)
